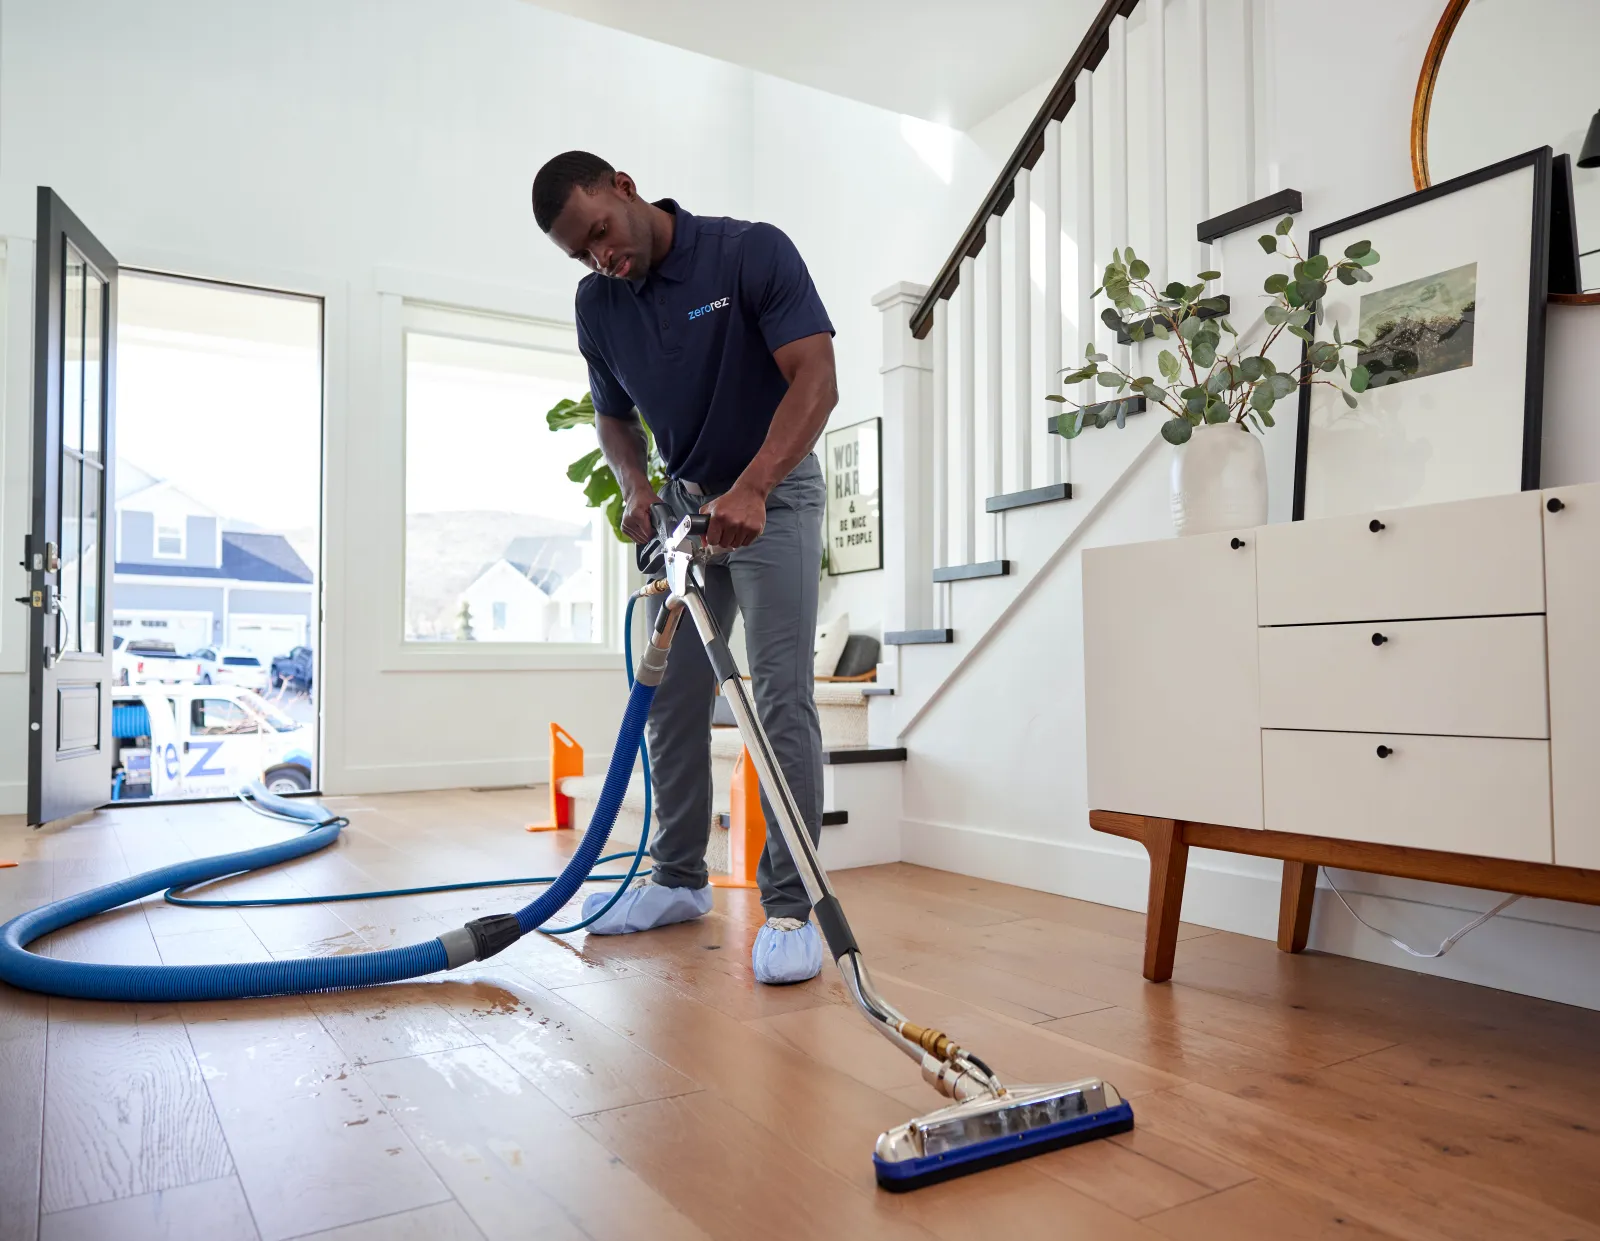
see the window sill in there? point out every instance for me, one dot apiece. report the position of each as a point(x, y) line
point(510, 657)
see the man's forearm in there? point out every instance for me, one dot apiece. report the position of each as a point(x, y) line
point(797, 424)
point(622, 441)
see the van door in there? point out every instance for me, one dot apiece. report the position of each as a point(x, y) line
point(222, 752)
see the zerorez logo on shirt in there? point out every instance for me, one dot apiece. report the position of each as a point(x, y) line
point(709, 307)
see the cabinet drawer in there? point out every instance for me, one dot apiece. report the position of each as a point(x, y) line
point(1483, 677)
point(1484, 795)
point(1473, 558)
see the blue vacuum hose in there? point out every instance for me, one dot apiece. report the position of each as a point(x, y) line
point(478, 939)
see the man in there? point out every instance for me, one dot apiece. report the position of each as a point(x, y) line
point(711, 330)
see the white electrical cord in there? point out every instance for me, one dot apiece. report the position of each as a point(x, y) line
point(1450, 940)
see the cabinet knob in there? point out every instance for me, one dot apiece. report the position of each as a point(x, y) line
point(1384, 751)
point(1378, 639)
point(1236, 543)
point(1374, 525)
point(1554, 505)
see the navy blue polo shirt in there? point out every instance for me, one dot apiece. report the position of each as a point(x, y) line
point(690, 346)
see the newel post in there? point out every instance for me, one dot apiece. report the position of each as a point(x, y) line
point(907, 372)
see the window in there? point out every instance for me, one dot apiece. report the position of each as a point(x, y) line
point(240, 661)
point(218, 717)
point(500, 544)
point(171, 538)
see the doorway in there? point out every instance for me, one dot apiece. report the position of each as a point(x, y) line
point(217, 534)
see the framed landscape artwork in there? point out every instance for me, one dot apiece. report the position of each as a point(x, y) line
point(1453, 327)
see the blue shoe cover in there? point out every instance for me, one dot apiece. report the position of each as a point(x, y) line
point(787, 950)
point(646, 906)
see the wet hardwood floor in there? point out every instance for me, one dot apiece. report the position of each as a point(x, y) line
point(645, 1087)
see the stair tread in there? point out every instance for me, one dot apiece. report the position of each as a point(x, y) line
point(1048, 494)
point(918, 637)
point(966, 572)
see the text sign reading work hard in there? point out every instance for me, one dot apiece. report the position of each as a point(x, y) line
point(855, 522)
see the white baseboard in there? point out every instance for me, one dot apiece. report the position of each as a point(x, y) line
point(421, 777)
point(1551, 956)
point(13, 797)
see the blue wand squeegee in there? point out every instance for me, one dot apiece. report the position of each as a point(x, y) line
point(988, 1123)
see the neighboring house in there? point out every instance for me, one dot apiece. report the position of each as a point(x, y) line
point(543, 588)
point(181, 575)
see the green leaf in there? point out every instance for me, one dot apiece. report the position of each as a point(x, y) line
point(1363, 275)
point(1292, 293)
point(1276, 283)
point(1210, 275)
point(1250, 368)
point(1218, 304)
point(1176, 431)
point(1051, 396)
point(1154, 392)
point(1300, 332)
point(1368, 259)
point(1316, 267)
point(1138, 269)
point(1168, 363)
point(1096, 358)
point(1082, 373)
point(1356, 249)
point(1069, 425)
point(1360, 377)
point(1267, 418)
point(569, 413)
point(1160, 329)
point(1262, 397)
point(1348, 399)
point(1275, 315)
point(1300, 317)
point(1217, 412)
point(1336, 339)
point(1109, 379)
point(1269, 243)
point(1346, 276)
point(1175, 292)
point(1282, 385)
point(1205, 354)
point(1112, 320)
point(1267, 367)
point(1137, 331)
point(1122, 414)
point(1285, 224)
point(1190, 328)
point(580, 469)
point(1309, 292)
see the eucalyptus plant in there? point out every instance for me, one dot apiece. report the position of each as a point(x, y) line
point(600, 487)
point(1204, 382)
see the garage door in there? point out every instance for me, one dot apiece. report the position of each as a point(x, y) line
point(187, 631)
point(266, 635)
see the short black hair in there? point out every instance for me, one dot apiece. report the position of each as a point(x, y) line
point(571, 170)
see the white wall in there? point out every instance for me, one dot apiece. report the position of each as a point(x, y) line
point(1007, 800)
point(375, 148)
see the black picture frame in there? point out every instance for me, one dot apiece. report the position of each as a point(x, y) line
point(827, 476)
point(1540, 161)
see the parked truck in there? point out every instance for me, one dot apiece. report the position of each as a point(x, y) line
point(179, 741)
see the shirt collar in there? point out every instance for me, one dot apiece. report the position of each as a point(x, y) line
point(679, 261)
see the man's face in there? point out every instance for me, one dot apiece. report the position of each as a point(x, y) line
point(605, 230)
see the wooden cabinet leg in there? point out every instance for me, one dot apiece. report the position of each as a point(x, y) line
point(1294, 905)
point(1169, 860)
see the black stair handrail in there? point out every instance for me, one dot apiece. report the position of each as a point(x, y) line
point(1056, 105)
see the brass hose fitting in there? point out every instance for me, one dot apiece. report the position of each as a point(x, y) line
point(932, 1041)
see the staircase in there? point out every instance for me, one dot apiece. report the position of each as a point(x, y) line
point(986, 508)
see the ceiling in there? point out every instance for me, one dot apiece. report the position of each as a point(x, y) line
point(951, 61)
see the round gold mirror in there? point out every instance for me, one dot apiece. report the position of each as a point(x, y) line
point(1505, 76)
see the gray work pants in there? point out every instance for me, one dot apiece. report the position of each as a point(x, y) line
point(773, 584)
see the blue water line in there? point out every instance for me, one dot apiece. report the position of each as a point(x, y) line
point(176, 983)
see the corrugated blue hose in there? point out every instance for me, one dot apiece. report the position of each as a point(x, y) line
point(169, 983)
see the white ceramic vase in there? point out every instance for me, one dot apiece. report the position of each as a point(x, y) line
point(1219, 480)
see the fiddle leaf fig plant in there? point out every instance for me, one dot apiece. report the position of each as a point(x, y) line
point(600, 487)
point(1202, 379)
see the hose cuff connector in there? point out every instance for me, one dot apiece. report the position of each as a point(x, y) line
point(480, 939)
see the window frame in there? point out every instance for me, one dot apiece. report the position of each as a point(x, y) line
point(490, 315)
point(180, 524)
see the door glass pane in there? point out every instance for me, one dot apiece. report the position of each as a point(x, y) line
point(71, 488)
point(89, 567)
point(72, 352)
point(93, 379)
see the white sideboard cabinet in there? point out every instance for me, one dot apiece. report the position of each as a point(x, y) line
point(1414, 692)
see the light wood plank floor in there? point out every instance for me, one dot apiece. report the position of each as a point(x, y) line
point(645, 1087)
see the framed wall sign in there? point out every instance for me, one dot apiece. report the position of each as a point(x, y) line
point(854, 465)
point(1453, 328)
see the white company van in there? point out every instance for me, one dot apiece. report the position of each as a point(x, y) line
point(176, 741)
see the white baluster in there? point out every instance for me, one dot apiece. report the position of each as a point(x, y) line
point(1117, 57)
point(1200, 110)
point(1022, 330)
point(941, 434)
point(1247, 67)
point(1083, 223)
point(967, 466)
point(994, 425)
point(1050, 204)
point(1156, 18)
